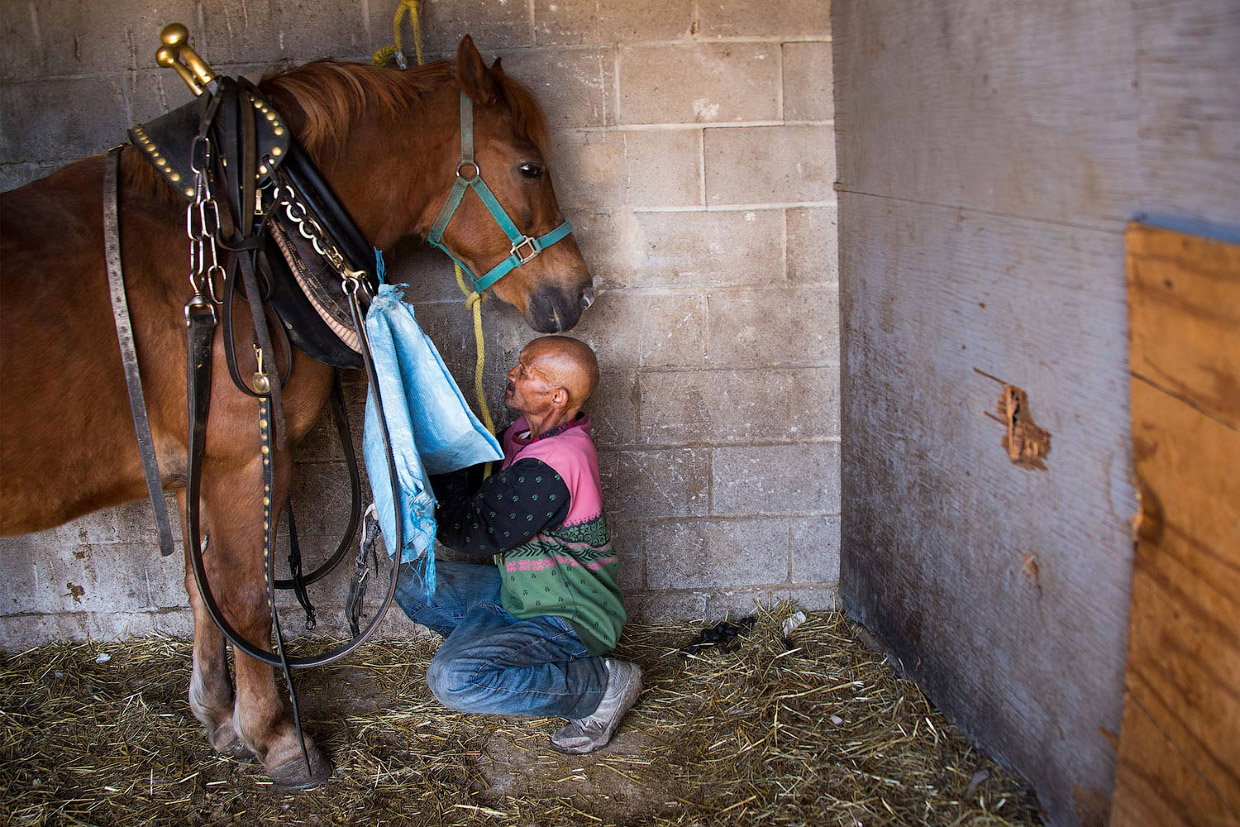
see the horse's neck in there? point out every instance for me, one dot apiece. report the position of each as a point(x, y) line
point(393, 179)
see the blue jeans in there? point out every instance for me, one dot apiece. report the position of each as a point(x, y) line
point(492, 662)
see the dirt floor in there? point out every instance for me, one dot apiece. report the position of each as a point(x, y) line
point(806, 728)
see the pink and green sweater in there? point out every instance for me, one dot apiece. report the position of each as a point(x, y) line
point(541, 518)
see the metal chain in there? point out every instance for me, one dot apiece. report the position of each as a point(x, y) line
point(310, 229)
point(202, 223)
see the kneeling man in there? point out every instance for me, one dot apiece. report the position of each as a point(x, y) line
point(527, 632)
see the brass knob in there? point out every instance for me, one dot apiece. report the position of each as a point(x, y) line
point(174, 35)
point(178, 54)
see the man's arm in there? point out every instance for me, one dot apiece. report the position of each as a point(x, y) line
point(509, 508)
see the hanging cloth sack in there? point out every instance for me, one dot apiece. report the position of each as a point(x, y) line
point(431, 428)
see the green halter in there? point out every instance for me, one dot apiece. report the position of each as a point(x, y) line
point(524, 248)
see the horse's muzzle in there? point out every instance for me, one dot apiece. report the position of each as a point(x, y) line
point(554, 311)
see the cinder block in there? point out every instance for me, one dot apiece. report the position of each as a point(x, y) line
point(705, 249)
point(777, 327)
point(742, 18)
point(646, 329)
point(663, 168)
point(816, 549)
point(699, 83)
point(579, 22)
point(654, 606)
point(814, 403)
point(574, 88)
point(780, 164)
point(96, 527)
point(297, 31)
point(589, 174)
point(713, 406)
point(812, 248)
point(651, 484)
point(808, 86)
point(62, 39)
point(493, 26)
point(800, 478)
point(38, 125)
point(613, 409)
point(133, 576)
point(150, 93)
point(698, 554)
point(626, 540)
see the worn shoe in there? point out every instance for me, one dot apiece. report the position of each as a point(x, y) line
point(624, 683)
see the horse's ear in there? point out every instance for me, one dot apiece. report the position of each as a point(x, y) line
point(476, 79)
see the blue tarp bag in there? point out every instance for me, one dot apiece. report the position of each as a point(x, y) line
point(431, 428)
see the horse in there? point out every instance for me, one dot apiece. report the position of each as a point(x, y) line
point(387, 141)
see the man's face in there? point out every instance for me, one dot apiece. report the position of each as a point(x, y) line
point(529, 390)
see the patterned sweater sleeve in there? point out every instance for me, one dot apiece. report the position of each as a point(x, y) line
point(508, 509)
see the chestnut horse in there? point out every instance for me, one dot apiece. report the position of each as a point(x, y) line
point(388, 143)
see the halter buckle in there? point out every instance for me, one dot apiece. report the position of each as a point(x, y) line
point(525, 250)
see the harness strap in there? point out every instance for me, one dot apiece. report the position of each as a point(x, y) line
point(129, 354)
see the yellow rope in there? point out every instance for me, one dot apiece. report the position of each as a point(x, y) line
point(385, 54)
point(473, 300)
point(473, 303)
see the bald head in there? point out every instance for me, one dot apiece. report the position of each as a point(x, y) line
point(566, 363)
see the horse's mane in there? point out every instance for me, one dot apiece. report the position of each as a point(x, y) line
point(323, 98)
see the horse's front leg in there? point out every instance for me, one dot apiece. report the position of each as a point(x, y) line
point(232, 503)
point(210, 687)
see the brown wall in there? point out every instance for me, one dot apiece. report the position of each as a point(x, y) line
point(694, 152)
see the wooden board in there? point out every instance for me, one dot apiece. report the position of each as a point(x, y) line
point(1179, 756)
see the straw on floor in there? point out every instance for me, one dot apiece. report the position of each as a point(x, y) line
point(812, 728)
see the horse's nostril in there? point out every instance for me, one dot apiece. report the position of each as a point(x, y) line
point(587, 297)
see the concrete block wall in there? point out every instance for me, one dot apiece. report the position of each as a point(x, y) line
point(694, 153)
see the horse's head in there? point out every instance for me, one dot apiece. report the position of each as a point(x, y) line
point(389, 142)
point(524, 235)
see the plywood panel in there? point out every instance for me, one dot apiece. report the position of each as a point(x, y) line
point(1004, 591)
point(1188, 77)
point(1023, 109)
point(1179, 759)
point(1185, 317)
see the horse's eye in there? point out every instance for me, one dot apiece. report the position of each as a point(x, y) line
point(531, 171)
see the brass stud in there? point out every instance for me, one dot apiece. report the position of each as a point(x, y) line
point(262, 171)
point(279, 130)
point(189, 191)
point(271, 116)
point(176, 176)
point(275, 151)
point(262, 423)
point(266, 449)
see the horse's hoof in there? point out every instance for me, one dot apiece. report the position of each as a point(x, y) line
point(292, 774)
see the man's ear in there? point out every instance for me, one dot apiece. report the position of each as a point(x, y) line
point(476, 80)
point(560, 398)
